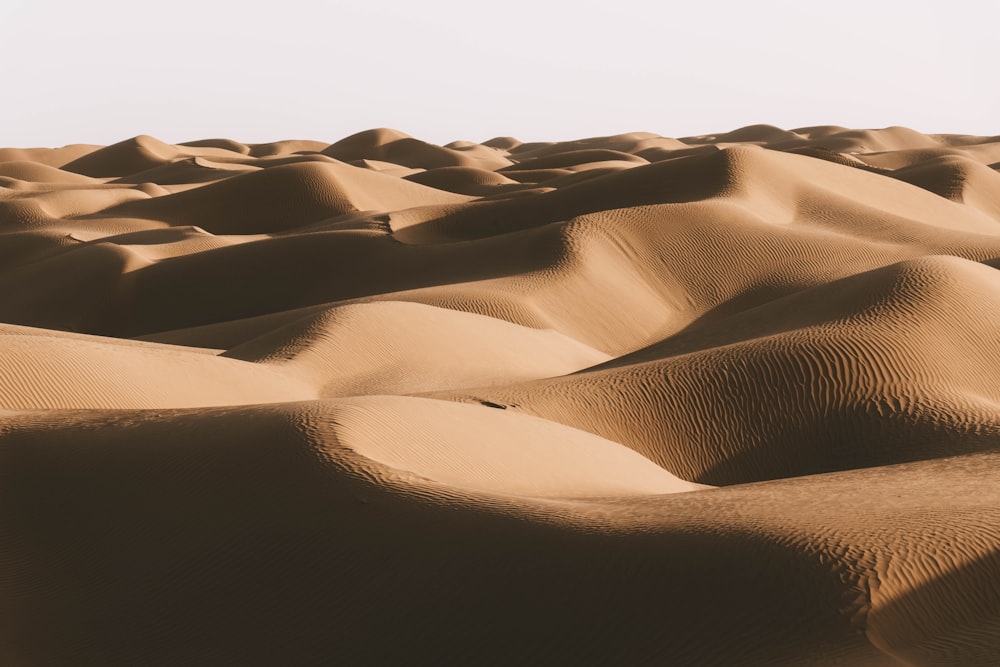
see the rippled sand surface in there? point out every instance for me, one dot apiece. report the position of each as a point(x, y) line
point(627, 400)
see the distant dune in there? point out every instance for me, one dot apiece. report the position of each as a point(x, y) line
point(627, 400)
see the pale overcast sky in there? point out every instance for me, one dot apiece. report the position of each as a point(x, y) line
point(102, 70)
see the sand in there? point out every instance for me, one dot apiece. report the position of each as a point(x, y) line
point(628, 400)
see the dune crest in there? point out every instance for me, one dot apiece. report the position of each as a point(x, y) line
point(731, 399)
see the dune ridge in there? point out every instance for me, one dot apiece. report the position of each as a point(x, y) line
point(631, 399)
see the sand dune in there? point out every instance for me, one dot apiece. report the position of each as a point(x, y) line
point(393, 146)
point(258, 202)
point(38, 173)
point(357, 349)
point(720, 400)
point(756, 396)
point(42, 371)
point(515, 455)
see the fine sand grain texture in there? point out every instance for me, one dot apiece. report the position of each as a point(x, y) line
point(629, 400)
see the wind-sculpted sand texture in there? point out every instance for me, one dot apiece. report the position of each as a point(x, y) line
point(628, 400)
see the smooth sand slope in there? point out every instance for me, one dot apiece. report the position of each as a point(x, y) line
point(627, 400)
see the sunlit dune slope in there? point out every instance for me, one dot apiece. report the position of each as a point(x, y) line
point(730, 399)
point(892, 365)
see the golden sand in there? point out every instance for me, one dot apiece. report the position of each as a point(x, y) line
point(627, 400)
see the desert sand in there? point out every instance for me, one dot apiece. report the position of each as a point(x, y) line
point(627, 400)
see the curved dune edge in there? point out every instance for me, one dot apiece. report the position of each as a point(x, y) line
point(729, 399)
point(489, 450)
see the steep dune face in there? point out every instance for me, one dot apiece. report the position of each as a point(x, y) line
point(727, 399)
point(826, 379)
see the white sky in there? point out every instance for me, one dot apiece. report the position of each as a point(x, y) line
point(103, 70)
